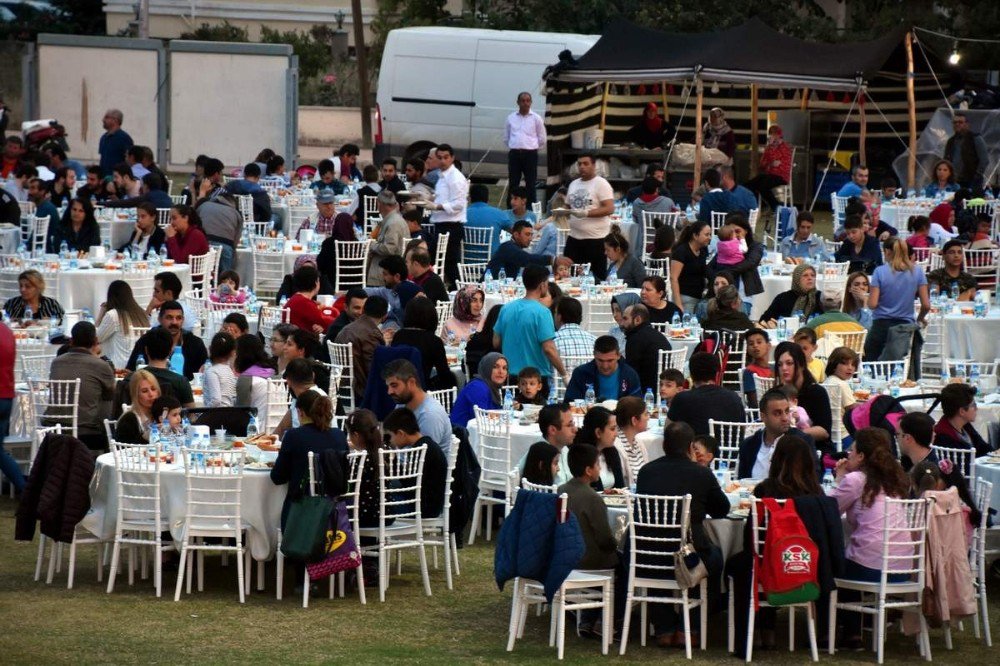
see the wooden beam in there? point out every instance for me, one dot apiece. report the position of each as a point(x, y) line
point(911, 103)
point(863, 132)
point(698, 108)
point(663, 98)
point(804, 102)
point(754, 130)
point(604, 104)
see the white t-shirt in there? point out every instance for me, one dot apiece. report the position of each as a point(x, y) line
point(585, 195)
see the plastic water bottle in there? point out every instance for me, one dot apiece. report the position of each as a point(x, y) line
point(64, 250)
point(895, 380)
point(54, 330)
point(140, 362)
point(163, 253)
point(960, 371)
point(502, 275)
point(782, 328)
point(488, 281)
point(107, 247)
point(675, 322)
point(954, 291)
point(153, 259)
point(974, 375)
point(722, 473)
point(451, 338)
point(177, 360)
point(86, 315)
point(828, 482)
point(800, 316)
point(154, 442)
point(283, 302)
point(29, 314)
point(23, 253)
point(979, 306)
point(866, 378)
point(663, 413)
point(252, 428)
point(935, 294)
point(508, 405)
point(648, 398)
point(590, 397)
point(945, 377)
point(186, 429)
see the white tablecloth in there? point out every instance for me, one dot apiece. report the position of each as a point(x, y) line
point(971, 338)
point(726, 533)
point(897, 215)
point(88, 288)
point(990, 472)
point(10, 239)
point(260, 505)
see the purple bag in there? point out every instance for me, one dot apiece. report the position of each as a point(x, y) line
point(342, 552)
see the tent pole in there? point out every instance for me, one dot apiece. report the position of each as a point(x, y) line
point(911, 163)
point(604, 104)
point(698, 108)
point(863, 134)
point(804, 106)
point(663, 97)
point(754, 138)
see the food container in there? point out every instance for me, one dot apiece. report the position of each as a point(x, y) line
point(593, 138)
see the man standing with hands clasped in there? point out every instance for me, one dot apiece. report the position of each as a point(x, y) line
point(451, 193)
point(591, 201)
point(524, 134)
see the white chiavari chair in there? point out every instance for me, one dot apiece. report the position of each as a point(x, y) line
point(204, 270)
point(342, 356)
point(672, 358)
point(352, 264)
point(729, 434)
point(471, 273)
point(440, 247)
point(495, 484)
point(268, 266)
point(477, 244)
point(269, 317)
point(718, 220)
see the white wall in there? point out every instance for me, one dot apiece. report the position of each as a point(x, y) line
point(228, 106)
point(77, 84)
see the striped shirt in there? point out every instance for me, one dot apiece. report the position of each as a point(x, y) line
point(47, 308)
point(572, 340)
point(634, 455)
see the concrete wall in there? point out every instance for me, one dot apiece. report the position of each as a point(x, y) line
point(11, 83)
point(330, 125)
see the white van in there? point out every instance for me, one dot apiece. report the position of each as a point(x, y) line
point(457, 86)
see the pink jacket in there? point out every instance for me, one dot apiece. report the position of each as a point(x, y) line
point(949, 576)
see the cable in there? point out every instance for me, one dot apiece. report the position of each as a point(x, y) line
point(826, 169)
point(673, 142)
point(898, 136)
point(957, 39)
point(934, 74)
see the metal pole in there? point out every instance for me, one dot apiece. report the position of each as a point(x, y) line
point(359, 47)
point(911, 103)
point(143, 19)
point(754, 134)
point(698, 108)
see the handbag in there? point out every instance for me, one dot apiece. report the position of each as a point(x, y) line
point(341, 551)
point(305, 533)
point(689, 570)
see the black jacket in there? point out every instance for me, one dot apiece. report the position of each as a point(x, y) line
point(192, 347)
point(58, 490)
point(783, 303)
point(465, 482)
point(156, 240)
point(642, 353)
point(432, 353)
point(679, 476)
point(292, 463)
point(750, 447)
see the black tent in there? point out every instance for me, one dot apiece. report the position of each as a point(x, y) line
point(751, 52)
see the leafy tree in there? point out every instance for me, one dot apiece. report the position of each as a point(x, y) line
point(224, 32)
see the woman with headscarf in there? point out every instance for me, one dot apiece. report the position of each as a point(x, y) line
point(802, 297)
point(343, 230)
point(620, 303)
point(652, 131)
point(775, 167)
point(287, 290)
point(466, 317)
point(718, 134)
point(485, 391)
point(944, 216)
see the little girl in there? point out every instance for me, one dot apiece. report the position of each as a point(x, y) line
point(166, 412)
point(942, 475)
point(730, 249)
point(561, 268)
point(919, 227)
point(228, 290)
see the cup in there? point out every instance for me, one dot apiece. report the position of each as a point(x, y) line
point(326, 300)
point(220, 435)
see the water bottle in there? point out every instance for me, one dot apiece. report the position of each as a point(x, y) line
point(974, 375)
point(163, 254)
point(954, 291)
point(153, 259)
point(154, 442)
point(866, 378)
point(979, 307)
point(502, 276)
point(935, 295)
point(590, 397)
point(140, 362)
point(86, 315)
point(722, 473)
point(177, 360)
point(252, 428)
point(508, 405)
point(54, 331)
point(663, 413)
point(675, 322)
point(186, 429)
point(782, 328)
point(29, 314)
point(828, 482)
point(945, 377)
point(520, 275)
point(22, 252)
point(107, 247)
point(283, 302)
point(648, 399)
point(64, 250)
point(960, 371)
point(689, 212)
point(895, 380)
point(74, 262)
point(488, 281)
point(612, 274)
point(451, 338)
point(800, 316)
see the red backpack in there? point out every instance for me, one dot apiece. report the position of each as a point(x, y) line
point(711, 343)
point(788, 567)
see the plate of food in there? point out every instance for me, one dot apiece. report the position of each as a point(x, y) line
point(739, 514)
point(259, 465)
point(265, 442)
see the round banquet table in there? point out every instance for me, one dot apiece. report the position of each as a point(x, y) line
point(897, 215)
point(988, 470)
point(974, 339)
point(10, 239)
point(260, 505)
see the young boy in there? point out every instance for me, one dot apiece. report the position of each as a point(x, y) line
point(327, 178)
point(590, 511)
point(166, 411)
point(529, 388)
point(805, 338)
point(705, 449)
point(404, 431)
point(758, 362)
point(671, 383)
point(800, 419)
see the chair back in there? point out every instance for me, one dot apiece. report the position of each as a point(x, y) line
point(935, 348)
point(762, 385)
point(963, 367)
point(269, 317)
point(718, 220)
point(352, 264)
point(836, 409)
point(751, 414)
point(342, 357)
point(39, 234)
point(839, 206)
point(882, 370)
point(400, 482)
point(141, 283)
point(214, 490)
point(440, 249)
point(35, 366)
point(138, 480)
point(245, 202)
point(472, 272)
point(982, 265)
point(853, 340)
point(352, 498)
point(56, 402)
point(204, 270)
point(752, 220)
point(268, 266)
point(982, 495)
point(732, 374)
point(599, 319)
point(561, 236)
point(659, 267)
point(278, 400)
point(446, 397)
point(729, 434)
point(963, 459)
point(672, 359)
point(372, 217)
point(444, 309)
point(571, 363)
point(660, 525)
point(651, 221)
point(477, 244)
point(904, 538)
point(539, 487)
point(494, 444)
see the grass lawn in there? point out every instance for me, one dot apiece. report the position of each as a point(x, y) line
point(49, 624)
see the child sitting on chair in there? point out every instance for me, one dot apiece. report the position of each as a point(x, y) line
point(529, 388)
point(228, 290)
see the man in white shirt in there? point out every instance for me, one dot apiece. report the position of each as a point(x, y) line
point(524, 134)
point(451, 194)
point(591, 201)
point(754, 461)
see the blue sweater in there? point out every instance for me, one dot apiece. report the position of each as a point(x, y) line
point(513, 258)
point(475, 394)
point(867, 260)
point(628, 378)
point(112, 148)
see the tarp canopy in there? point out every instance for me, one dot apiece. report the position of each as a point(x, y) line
point(751, 52)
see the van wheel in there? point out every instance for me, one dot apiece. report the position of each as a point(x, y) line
point(417, 148)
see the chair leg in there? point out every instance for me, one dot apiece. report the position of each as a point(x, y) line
point(489, 522)
point(811, 626)
point(72, 564)
point(360, 572)
point(644, 627)
point(454, 553)
point(279, 559)
point(158, 566)
point(607, 619)
point(926, 636)
point(190, 570)
point(731, 615)
point(515, 614)
point(791, 628)
point(383, 573)
point(831, 629)
point(984, 614)
point(240, 573)
point(475, 522)
point(626, 624)
point(704, 615)
point(180, 571)
point(687, 623)
point(305, 589)
point(144, 564)
point(446, 551)
point(41, 556)
point(59, 549)
point(880, 631)
point(201, 567)
point(948, 645)
point(131, 564)
point(423, 569)
point(248, 570)
point(113, 570)
point(751, 620)
point(559, 607)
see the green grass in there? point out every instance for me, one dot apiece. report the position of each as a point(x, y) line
point(49, 624)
